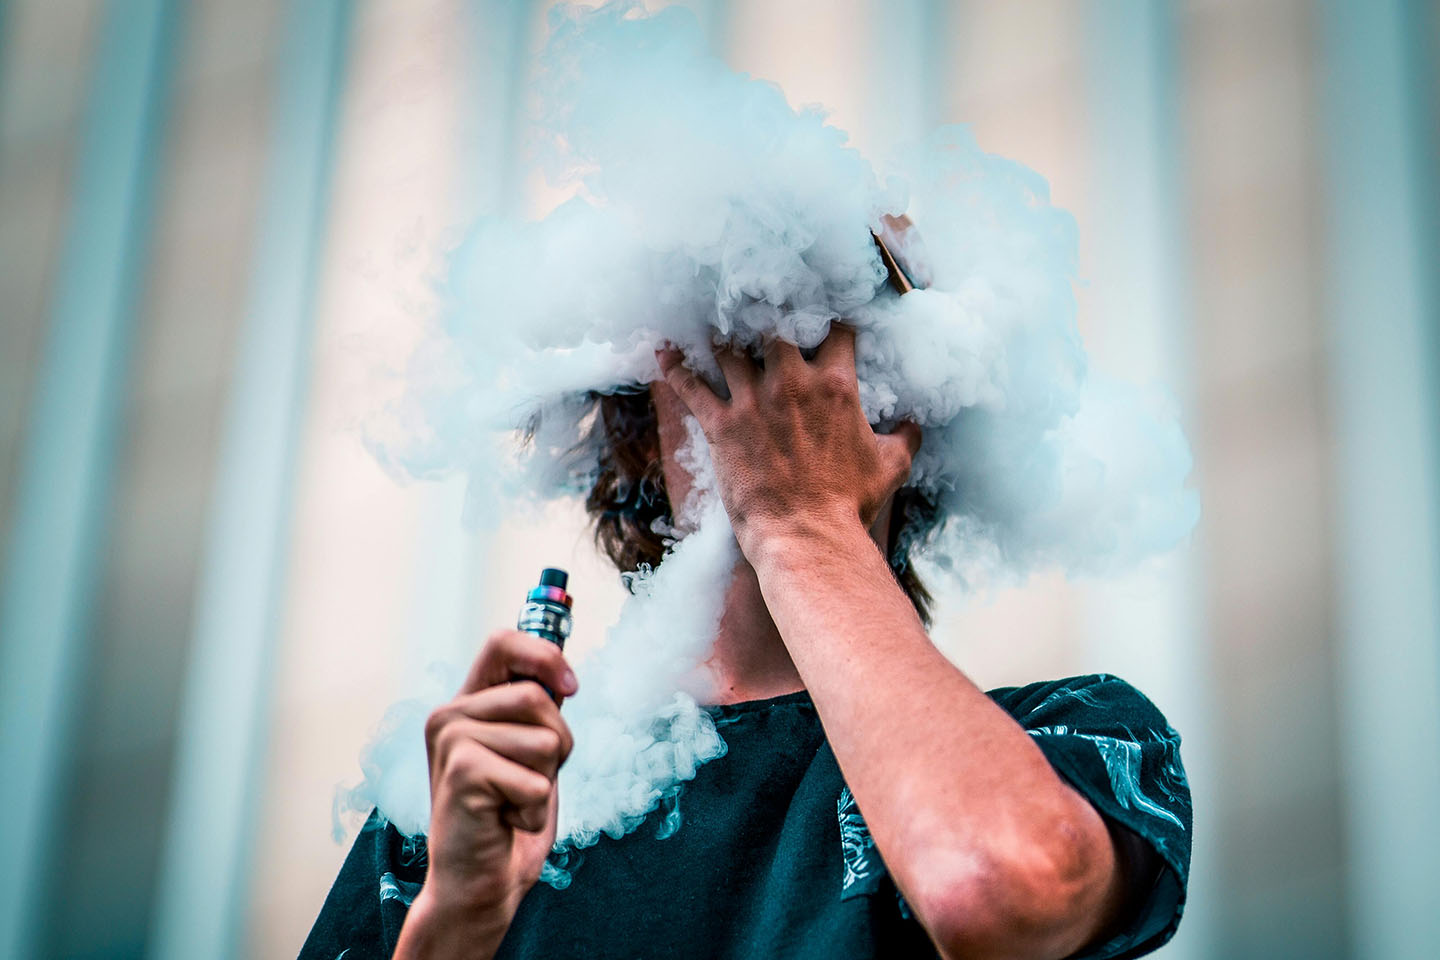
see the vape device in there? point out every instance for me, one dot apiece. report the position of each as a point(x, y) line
point(546, 612)
point(895, 238)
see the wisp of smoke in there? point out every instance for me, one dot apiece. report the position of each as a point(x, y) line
point(708, 211)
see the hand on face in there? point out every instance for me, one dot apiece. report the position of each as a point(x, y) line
point(792, 449)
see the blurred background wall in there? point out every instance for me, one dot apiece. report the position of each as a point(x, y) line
point(221, 219)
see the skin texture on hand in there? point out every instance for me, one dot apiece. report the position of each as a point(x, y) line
point(997, 855)
point(494, 752)
point(791, 446)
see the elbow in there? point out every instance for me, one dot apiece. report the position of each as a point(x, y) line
point(1030, 900)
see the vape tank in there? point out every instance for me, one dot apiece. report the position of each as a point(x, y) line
point(546, 612)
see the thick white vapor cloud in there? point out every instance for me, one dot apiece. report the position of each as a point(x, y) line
point(709, 209)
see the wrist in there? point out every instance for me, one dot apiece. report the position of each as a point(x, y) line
point(801, 537)
point(439, 925)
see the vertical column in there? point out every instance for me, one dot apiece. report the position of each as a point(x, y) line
point(183, 351)
point(1262, 448)
point(58, 520)
point(1383, 370)
point(903, 66)
point(222, 718)
point(1146, 627)
point(44, 74)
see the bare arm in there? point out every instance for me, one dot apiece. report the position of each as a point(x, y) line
point(996, 853)
point(998, 856)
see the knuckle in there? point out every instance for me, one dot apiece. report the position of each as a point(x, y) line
point(531, 698)
point(835, 383)
point(445, 740)
point(476, 804)
point(535, 788)
point(463, 769)
point(550, 741)
point(435, 723)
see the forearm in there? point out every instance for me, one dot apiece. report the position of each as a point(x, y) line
point(967, 812)
point(998, 856)
point(437, 930)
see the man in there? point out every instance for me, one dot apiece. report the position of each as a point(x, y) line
point(874, 801)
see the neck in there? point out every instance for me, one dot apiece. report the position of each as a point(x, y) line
point(749, 661)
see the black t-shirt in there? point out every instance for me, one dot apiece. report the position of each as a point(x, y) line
point(765, 854)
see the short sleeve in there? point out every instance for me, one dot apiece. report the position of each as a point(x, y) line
point(1115, 747)
point(366, 906)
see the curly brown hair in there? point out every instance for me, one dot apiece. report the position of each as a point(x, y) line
point(630, 509)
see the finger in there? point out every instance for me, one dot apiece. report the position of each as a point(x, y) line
point(538, 747)
point(782, 358)
point(898, 449)
point(511, 653)
point(692, 391)
point(535, 818)
point(911, 433)
point(532, 819)
point(897, 225)
point(739, 371)
point(523, 702)
point(837, 349)
point(552, 810)
point(520, 811)
point(483, 777)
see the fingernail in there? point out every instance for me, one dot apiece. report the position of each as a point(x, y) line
point(569, 683)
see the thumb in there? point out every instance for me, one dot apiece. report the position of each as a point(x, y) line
point(898, 449)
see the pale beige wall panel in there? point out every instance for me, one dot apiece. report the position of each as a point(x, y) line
point(1249, 118)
